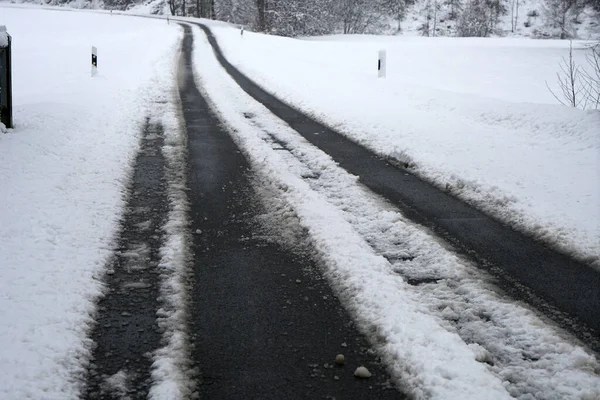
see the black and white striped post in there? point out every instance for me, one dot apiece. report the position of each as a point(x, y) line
point(5, 79)
point(381, 64)
point(94, 61)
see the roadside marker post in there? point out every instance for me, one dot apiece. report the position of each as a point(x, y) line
point(6, 116)
point(241, 30)
point(381, 64)
point(94, 61)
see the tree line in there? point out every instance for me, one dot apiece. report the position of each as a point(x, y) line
point(439, 17)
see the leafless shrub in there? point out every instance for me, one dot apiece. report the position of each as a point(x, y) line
point(591, 77)
point(579, 88)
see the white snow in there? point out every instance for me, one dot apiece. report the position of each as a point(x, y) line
point(62, 177)
point(473, 116)
point(435, 338)
point(171, 369)
point(118, 384)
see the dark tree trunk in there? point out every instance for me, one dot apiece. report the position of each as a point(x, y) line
point(262, 20)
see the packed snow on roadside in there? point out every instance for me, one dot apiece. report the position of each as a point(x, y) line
point(63, 177)
point(435, 338)
point(473, 116)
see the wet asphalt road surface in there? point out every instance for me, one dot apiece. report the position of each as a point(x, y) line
point(264, 323)
point(565, 290)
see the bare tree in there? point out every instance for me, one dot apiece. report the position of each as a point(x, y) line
point(579, 88)
point(436, 8)
point(455, 8)
point(261, 6)
point(357, 15)
point(425, 27)
point(243, 12)
point(559, 14)
point(475, 20)
point(514, 15)
point(591, 76)
point(397, 8)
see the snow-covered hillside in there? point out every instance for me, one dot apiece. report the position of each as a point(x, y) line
point(521, 18)
point(529, 21)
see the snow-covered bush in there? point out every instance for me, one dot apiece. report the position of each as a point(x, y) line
point(475, 20)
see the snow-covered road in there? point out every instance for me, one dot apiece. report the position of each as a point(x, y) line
point(436, 336)
point(441, 326)
point(470, 115)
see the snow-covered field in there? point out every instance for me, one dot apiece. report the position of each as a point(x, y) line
point(63, 171)
point(435, 338)
point(473, 116)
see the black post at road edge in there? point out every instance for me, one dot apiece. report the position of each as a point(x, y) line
point(6, 83)
point(94, 61)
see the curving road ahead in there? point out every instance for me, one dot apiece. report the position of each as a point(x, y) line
point(565, 290)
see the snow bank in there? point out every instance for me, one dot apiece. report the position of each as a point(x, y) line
point(171, 370)
point(63, 178)
point(473, 116)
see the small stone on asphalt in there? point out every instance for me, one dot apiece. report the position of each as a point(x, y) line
point(362, 372)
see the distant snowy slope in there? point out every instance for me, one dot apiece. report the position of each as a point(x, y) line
point(521, 18)
point(530, 21)
point(63, 176)
point(472, 116)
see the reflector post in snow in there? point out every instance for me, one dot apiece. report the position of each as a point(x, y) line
point(5, 78)
point(381, 64)
point(94, 61)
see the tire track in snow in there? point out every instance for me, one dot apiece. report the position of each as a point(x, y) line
point(566, 290)
point(126, 332)
point(265, 324)
point(529, 356)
